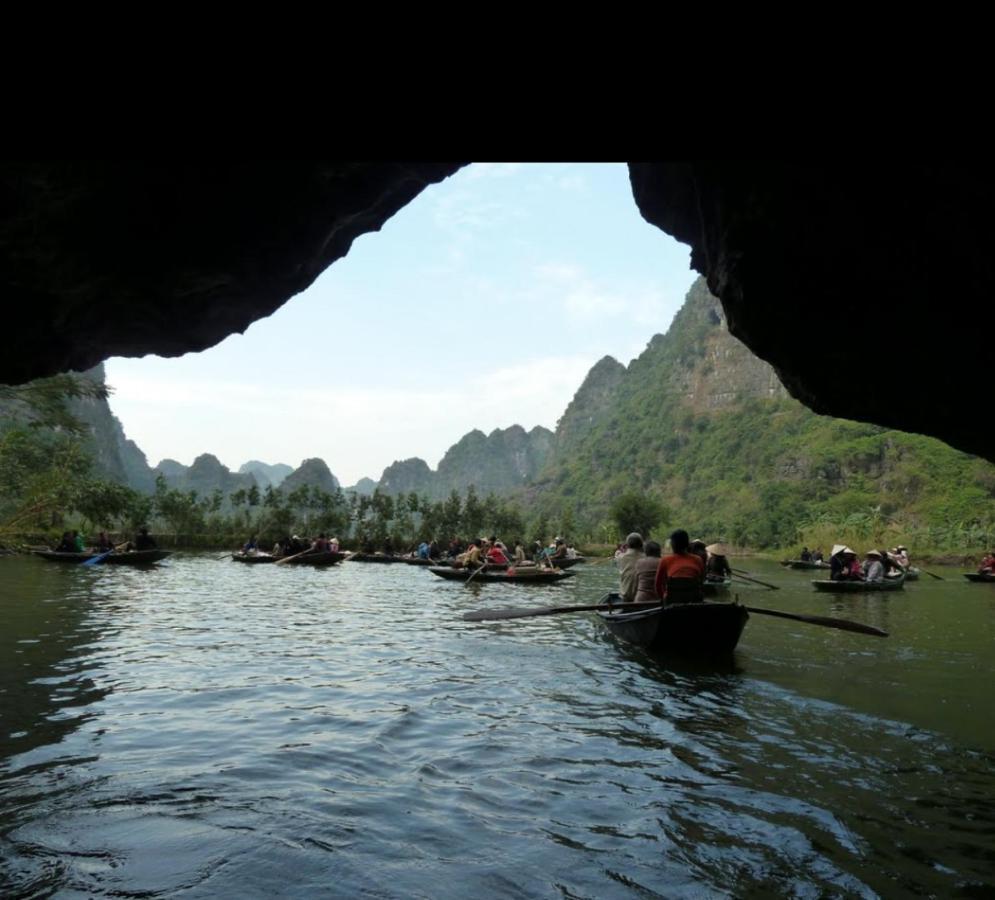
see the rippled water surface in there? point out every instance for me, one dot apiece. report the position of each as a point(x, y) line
point(205, 729)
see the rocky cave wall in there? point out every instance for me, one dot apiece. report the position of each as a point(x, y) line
point(864, 284)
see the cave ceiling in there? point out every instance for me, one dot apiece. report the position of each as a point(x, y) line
point(865, 285)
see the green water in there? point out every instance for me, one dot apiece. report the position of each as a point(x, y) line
point(206, 729)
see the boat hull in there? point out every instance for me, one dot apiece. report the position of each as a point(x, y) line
point(520, 576)
point(129, 558)
point(258, 559)
point(378, 558)
point(687, 628)
point(802, 564)
point(329, 558)
point(858, 587)
point(977, 576)
point(714, 588)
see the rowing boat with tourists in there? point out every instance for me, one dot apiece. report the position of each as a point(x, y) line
point(661, 606)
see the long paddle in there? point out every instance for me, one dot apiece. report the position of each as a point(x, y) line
point(931, 575)
point(288, 558)
point(481, 615)
point(93, 560)
point(773, 587)
point(477, 572)
point(841, 624)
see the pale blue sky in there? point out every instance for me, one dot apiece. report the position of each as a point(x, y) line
point(481, 304)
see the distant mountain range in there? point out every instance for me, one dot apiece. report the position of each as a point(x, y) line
point(696, 420)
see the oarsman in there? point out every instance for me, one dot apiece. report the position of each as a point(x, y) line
point(718, 568)
point(473, 556)
point(145, 541)
point(805, 555)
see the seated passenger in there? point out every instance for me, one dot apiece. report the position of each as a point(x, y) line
point(645, 572)
point(496, 555)
point(680, 574)
point(873, 569)
point(145, 541)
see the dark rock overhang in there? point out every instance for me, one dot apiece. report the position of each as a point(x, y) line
point(864, 286)
point(125, 259)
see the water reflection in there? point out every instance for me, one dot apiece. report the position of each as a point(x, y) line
point(344, 732)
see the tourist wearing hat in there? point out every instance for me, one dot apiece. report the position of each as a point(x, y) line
point(717, 566)
point(836, 565)
point(627, 584)
point(873, 567)
point(844, 565)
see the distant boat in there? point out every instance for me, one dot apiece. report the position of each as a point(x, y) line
point(859, 587)
point(803, 564)
point(523, 575)
point(978, 576)
point(117, 558)
point(378, 558)
point(254, 558)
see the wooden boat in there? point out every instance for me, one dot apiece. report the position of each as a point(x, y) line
point(327, 558)
point(859, 587)
point(524, 575)
point(117, 558)
point(686, 628)
point(418, 561)
point(254, 558)
point(803, 564)
point(912, 574)
point(710, 588)
point(978, 576)
point(377, 558)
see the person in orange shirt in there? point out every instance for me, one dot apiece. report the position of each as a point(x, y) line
point(680, 573)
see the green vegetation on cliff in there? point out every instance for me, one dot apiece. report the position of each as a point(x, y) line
point(703, 426)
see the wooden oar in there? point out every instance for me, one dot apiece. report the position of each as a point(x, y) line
point(482, 615)
point(474, 575)
point(226, 556)
point(931, 575)
point(93, 560)
point(288, 558)
point(773, 587)
point(826, 621)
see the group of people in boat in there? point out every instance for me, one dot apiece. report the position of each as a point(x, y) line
point(647, 575)
point(289, 545)
point(812, 556)
point(491, 550)
point(987, 566)
point(74, 542)
point(877, 565)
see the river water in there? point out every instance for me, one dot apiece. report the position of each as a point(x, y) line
point(209, 729)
